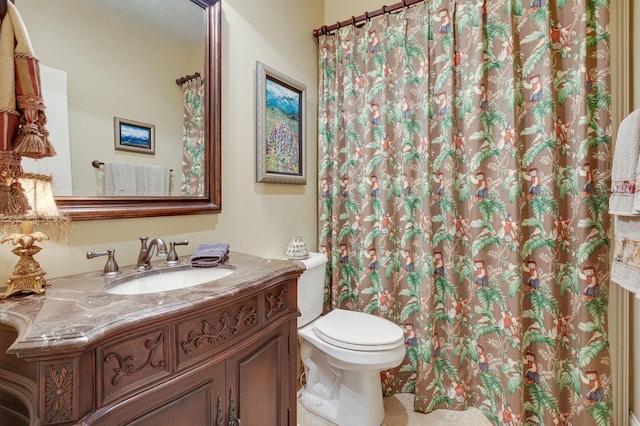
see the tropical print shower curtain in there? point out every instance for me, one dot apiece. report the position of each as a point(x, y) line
point(193, 138)
point(464, 160)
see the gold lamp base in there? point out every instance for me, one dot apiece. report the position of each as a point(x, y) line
point(27, 275)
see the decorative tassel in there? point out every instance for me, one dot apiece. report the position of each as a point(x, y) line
point(13, 201)
point(32, 140)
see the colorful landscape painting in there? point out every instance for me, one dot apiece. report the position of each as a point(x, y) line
point(282, 129)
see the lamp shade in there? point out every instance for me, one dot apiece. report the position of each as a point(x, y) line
point(42, 209)
point(39, 192)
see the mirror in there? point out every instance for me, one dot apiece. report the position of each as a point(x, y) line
point(100, 144)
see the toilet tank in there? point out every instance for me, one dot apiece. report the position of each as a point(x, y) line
point(311, 288)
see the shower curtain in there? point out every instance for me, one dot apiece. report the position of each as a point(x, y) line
point(193, 137)
point(464, 161)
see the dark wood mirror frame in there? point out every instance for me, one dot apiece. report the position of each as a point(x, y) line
point(92, 208)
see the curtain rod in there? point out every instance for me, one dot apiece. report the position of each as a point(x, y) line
point(364, 17)
point(183, 80)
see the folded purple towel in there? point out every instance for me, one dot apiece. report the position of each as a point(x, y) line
point(210, 255)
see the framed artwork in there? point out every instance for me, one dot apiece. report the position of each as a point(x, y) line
point(134, 136)
point(280, 128)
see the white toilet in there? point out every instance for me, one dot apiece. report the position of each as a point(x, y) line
point(343, 353)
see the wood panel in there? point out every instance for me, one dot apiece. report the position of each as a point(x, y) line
point(260, 380)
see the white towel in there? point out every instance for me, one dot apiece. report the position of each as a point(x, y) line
point(625, 267)
point(625, 171)
point(119, 179)
point(152, 181)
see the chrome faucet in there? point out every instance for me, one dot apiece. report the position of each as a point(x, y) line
point(146, 253)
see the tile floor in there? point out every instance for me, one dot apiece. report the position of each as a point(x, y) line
point(399, 412)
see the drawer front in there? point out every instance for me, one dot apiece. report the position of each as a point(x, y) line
point(129, 364)
point(210, 333)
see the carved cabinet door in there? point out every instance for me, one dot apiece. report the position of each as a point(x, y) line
point(191, 399)
point(258, 381)
point(194, 400)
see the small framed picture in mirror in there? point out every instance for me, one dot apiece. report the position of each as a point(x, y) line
point(280, 141)
point(134, 136)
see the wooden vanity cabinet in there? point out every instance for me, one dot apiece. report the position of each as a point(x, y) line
point(231, 363)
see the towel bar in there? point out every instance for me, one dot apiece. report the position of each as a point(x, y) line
point(97, 164)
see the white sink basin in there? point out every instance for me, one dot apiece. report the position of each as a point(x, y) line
point(159, 281)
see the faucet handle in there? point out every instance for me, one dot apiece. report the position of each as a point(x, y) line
point(111, 267)
point(143, 243)
point(172, 258)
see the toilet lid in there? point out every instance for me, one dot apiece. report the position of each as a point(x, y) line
point(358, 331)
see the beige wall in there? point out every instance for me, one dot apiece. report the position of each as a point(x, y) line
point(340, 10)
point(256, 218)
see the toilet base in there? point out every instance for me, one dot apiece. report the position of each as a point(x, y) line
point(343, 385)
point(353, 399)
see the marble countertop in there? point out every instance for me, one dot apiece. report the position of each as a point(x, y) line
point(75, 311)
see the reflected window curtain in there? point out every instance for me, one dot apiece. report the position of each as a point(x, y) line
point(193, 138)
point(463, 192)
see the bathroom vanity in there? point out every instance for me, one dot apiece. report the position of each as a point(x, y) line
point(218, 353)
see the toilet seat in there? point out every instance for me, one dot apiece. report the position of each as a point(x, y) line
point(358, 331)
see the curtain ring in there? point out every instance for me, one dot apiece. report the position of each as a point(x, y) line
point(366, 15)
point(324, 30)
point(384, 9)
point(353, 20)
point(404, 3)
point(337, 25)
